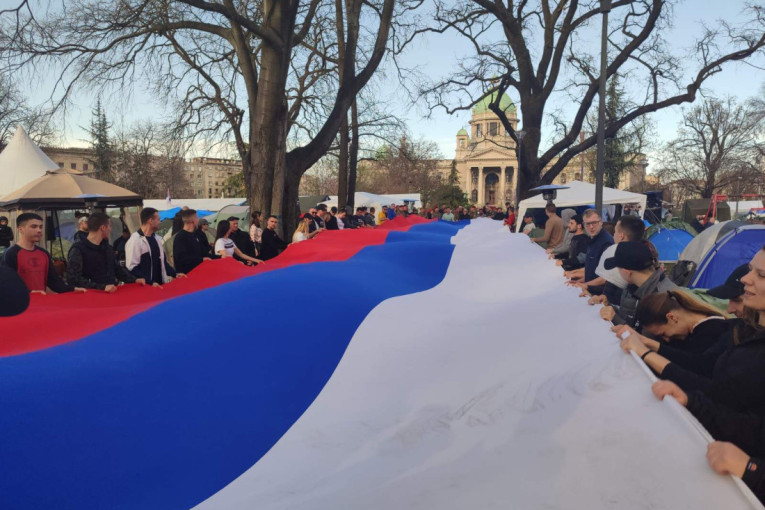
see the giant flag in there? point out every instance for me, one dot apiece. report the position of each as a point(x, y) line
point(420, 365)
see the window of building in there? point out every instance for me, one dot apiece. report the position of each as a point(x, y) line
point(478, 130)
point(61, 164)
point(509, 171)
point(474, 195)
point(85, 166)
point(73, 166)
point(493, 129)
point(462, 143)
point(563, 178)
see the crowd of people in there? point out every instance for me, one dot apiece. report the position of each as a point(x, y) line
point(712, 361)
point(144, 257)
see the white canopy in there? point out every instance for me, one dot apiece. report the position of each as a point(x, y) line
point(581, 193)
point(364, 199)
point(22, 162)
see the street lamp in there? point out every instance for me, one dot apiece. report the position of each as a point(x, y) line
point(605, 7)
point(520, 134)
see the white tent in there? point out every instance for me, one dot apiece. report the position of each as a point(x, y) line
point(22, 162)
point(364, 199)
point(581, 193)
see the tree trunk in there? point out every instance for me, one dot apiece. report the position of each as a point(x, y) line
point(342, 167)
point(267, 134)
point(291, 208)
point(278, 202)
point(353, 156)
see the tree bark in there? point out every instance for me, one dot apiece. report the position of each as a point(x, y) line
point(267, 144)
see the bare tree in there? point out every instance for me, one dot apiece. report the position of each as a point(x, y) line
point(717, 143)
point(537, 51)
point(408, 167)
point(149, 162)
point(16, 111)
point(231, 62)
point(321, 179)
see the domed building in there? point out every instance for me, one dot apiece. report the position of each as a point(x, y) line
point(487, 165)
point(485, 158)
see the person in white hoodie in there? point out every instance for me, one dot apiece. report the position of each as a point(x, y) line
point(144, 255)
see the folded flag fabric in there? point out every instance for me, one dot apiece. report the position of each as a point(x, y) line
point(429, 365)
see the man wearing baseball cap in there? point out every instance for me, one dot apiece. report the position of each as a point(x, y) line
point(636, 265)
point(732, 290)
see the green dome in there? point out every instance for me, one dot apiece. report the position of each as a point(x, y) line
point(462, 132)
point(505, 104)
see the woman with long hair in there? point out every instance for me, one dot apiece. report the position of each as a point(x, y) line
point(739, 429)
point(225, 247)
point(693, 335)
point(302, 232)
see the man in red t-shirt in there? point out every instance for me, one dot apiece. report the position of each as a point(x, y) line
point(32, 263)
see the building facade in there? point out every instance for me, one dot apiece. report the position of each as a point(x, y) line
point(71, 158)
point(486, 161)
point(209, 177)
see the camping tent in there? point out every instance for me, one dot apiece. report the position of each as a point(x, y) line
point(578, 194)
point(670, 243)
point(735, 248)
point(206, 204)
point(240, 211)
point(309, 201)
point(21, 162)
point(702, 243)
point(170, 213)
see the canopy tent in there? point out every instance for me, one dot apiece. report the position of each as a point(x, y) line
point(205, 204)
point(403, 198)
point(61, 189)
point(578, 194)
point(702, 243)
point(21, 162)
point(735, 248)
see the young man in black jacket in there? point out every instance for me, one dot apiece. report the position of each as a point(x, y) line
point(189, 248)
point(241, 239)
point(272, 243)
point(91, 261)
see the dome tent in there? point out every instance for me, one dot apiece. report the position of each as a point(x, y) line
point(670, 239)
point(707, 238)
point(735, 248)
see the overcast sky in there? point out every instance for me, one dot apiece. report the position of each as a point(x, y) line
point(435, 56)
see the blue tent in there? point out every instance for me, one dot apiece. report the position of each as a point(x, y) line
point(170, 213)
point(733, 249)
point(670, 243)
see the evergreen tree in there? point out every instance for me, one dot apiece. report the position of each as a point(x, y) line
point(623, 150)
point(101, 144)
